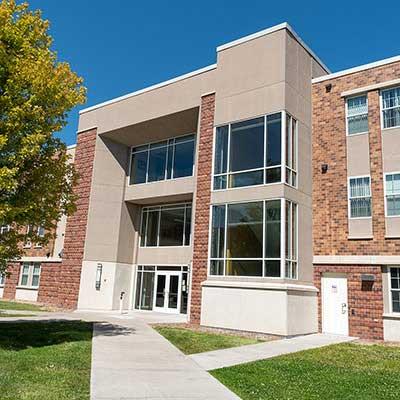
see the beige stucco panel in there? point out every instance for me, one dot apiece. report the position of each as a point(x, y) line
point(391, 150)
point(393, 226)
point(164, 255)
point(159, 190)
point(358, 163)
point(250, 193)
point(302, 313)
point(249, 104)
point(253, 64)
point(391, 329)
point(360, 228)
point(178, 96)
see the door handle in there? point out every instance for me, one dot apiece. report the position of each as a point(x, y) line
point(344, 308)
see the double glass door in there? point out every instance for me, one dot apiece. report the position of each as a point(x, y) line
point(167, 292)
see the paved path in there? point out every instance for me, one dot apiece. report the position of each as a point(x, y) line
point(132, 361)
point(240, 355)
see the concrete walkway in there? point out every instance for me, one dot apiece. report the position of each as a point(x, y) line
point(132, 361)
point(240, 355)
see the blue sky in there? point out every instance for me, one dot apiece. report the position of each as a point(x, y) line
point(121, 46)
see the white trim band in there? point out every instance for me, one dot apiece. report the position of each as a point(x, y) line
point(258, 285)
point(356, 69)
point(368, 88)
point(267, 31)
point(149, 88)
point(368, 260)
point(39, 259)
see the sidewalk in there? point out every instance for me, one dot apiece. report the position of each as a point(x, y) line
point(132, 361)
point(240, 355)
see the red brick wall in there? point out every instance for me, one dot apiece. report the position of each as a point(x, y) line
point(11, 282)
point(203, 197)
point(330, 208)
point(49, 283)
point(74, 241)
point(365, 302)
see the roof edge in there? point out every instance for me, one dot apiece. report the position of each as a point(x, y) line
point(283, 25)
point(357, 69)
point(149, 88)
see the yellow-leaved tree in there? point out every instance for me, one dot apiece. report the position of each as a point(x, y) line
point(36, 93)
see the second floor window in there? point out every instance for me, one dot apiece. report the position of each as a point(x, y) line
point(391, 107)
point(392, 188)
point(169, 159)
point(357, 115)
point(166, 225)
point(360, 197)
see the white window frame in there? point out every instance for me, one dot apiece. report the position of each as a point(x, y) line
point(30, 275)
point(349, 198)
point(158, 209)
point(382, 109)
point(264, 168)
point(263, 259)
point(168, 146)
point(355, 115)
point(294, 168)
point(391, 290)
point(4, 229)
point(385, 193)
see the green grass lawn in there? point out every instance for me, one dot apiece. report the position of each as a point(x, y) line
point(13, 305)
point(45, 360)
point(191, 342)
point(345, 371)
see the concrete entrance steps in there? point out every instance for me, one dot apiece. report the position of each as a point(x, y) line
point(240, 355)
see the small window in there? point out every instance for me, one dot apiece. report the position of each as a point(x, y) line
point(360, 197)
point(391, 107)
point(392, 186)
point(2, 279)
point(395, 289)
point(357, 115)
point(4, 229)
point(30, 275)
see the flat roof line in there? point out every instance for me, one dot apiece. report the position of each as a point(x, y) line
point(149, 88)
point(71, 146)
point(267, 31)
point(357, 69)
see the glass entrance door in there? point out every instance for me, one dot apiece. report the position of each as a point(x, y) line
point(167, 294)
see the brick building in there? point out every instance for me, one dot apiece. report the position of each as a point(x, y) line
point(260, 193)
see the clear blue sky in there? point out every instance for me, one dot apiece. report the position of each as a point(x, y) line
point(120, 46)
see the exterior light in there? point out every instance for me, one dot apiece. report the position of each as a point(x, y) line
point(99, 271)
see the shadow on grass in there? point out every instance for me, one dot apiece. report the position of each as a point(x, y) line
point(25, 334)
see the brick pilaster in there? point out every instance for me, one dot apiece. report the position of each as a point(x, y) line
point(75, 233)
point(203, 198)
point(11, 281)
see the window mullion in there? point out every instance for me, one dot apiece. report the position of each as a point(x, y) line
point(283, 147)
point(225, 236)
point(283, 237)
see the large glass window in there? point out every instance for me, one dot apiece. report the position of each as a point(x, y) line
point(291, 240)
point(392, 188)
point(169, 159)
point(166, 225)
point(30, 274)
point(391, 107)
point(250, 152)
point(360, 197)
point(246, 239)
point(395, 289)
point(357, 115)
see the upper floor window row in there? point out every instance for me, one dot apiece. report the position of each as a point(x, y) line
point(357, 115)
point(169, 159)
point(250, 152)
point(391, 107)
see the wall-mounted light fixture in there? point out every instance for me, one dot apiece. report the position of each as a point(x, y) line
point(324, 168)
point(99, 271)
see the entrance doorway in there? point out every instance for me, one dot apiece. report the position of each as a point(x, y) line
point(335, 318)
point(162, 289)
